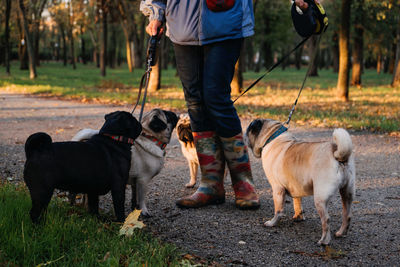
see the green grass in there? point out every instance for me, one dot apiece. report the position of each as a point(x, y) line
point(374, 107)
point(69, 236)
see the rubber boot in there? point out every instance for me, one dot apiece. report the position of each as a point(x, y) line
point(212, 164)
point(237, 158)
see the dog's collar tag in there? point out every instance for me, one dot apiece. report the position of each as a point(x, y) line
point(120, 138)
point(277, 133)
point(155, 140)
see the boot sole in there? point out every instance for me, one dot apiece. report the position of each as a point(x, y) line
point(199, 205)
point(249, 207)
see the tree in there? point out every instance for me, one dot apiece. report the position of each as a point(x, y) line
point(312, 47)
point(237, 81)
point(103, 43)
point(7, 36)
point(396, 72)
point(133, 28)
point(358, 45)
point(344, 36)
point(28, 38)
point(70, 24)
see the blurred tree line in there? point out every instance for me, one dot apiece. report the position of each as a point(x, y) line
point(361, 34)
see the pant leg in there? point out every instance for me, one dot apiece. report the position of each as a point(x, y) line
point(218, 70)
point(189, 64)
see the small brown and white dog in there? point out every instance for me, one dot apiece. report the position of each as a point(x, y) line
point(301, 168)
point(185, 137)
point(148, 152)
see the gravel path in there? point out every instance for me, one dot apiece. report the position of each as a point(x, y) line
point(223, 234)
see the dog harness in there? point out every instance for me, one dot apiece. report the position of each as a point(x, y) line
point(277, 133)
point(155, 140)
point(120, 138)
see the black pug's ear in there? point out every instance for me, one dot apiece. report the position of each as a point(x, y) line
point(157, 125)
point(111, 115)
point(171, 117)
point(255, 127)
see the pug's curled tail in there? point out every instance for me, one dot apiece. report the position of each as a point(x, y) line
point(38, 143)
point(343, 146)
point(84, 135)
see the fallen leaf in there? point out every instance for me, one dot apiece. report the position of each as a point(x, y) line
point(59, 130)
point(131, 222)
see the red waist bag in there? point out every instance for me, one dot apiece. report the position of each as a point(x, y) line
point(220, 5)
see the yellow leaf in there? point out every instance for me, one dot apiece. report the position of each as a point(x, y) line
point(131, 222)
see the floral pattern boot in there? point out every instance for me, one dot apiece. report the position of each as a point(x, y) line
point(237, 157)
point(212, 165)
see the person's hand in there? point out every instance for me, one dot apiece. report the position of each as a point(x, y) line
point(154, 27)
point(303, 5)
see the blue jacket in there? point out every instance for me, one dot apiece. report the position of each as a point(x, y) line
point(190, 22)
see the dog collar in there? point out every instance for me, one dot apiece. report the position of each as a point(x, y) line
point(155, 140)
point(120, 138)
point(277, 133)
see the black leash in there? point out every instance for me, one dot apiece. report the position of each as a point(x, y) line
point(313, 21)
point(314, 55)
point(144, 82)
point(273, 67)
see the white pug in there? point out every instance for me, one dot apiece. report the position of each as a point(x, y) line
point(147, 152)
point(185, 138)
point(302, 168)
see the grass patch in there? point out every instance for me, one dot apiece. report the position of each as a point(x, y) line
point(71, 237)
point(375, 107)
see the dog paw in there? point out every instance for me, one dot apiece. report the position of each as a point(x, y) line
point(298, 218)
point(145, 213)
point(190, 185)
point(339, 234)
point(269, 223)
point(324, 241)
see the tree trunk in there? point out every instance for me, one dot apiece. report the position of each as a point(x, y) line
point(71, 35)
point(129, 54)
point(155, 75)
point(7, 36)
point(237, 82)
point(58, 45)
point(297, 57)
point(165, 52)
point(64, 44)
point(112, 48)
point(379, 65)
point(335, 52)
point(312, 48)
point(396, 72)
point(36, 37)
point(28, 38)
point(22, 54)
point(344, 36)
point(103, 42)
point(358, 45)
point(83, 48)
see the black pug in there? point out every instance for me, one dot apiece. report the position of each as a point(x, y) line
point(94, 167)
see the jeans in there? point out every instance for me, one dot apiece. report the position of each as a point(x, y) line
point(206, 73)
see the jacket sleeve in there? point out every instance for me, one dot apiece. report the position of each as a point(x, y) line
point(154, 9)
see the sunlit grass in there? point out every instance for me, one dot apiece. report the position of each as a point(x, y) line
point(375, 106)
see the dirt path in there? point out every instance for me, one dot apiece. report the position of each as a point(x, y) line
point(223, 234)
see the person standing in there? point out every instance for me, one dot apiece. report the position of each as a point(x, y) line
point(207, 37)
